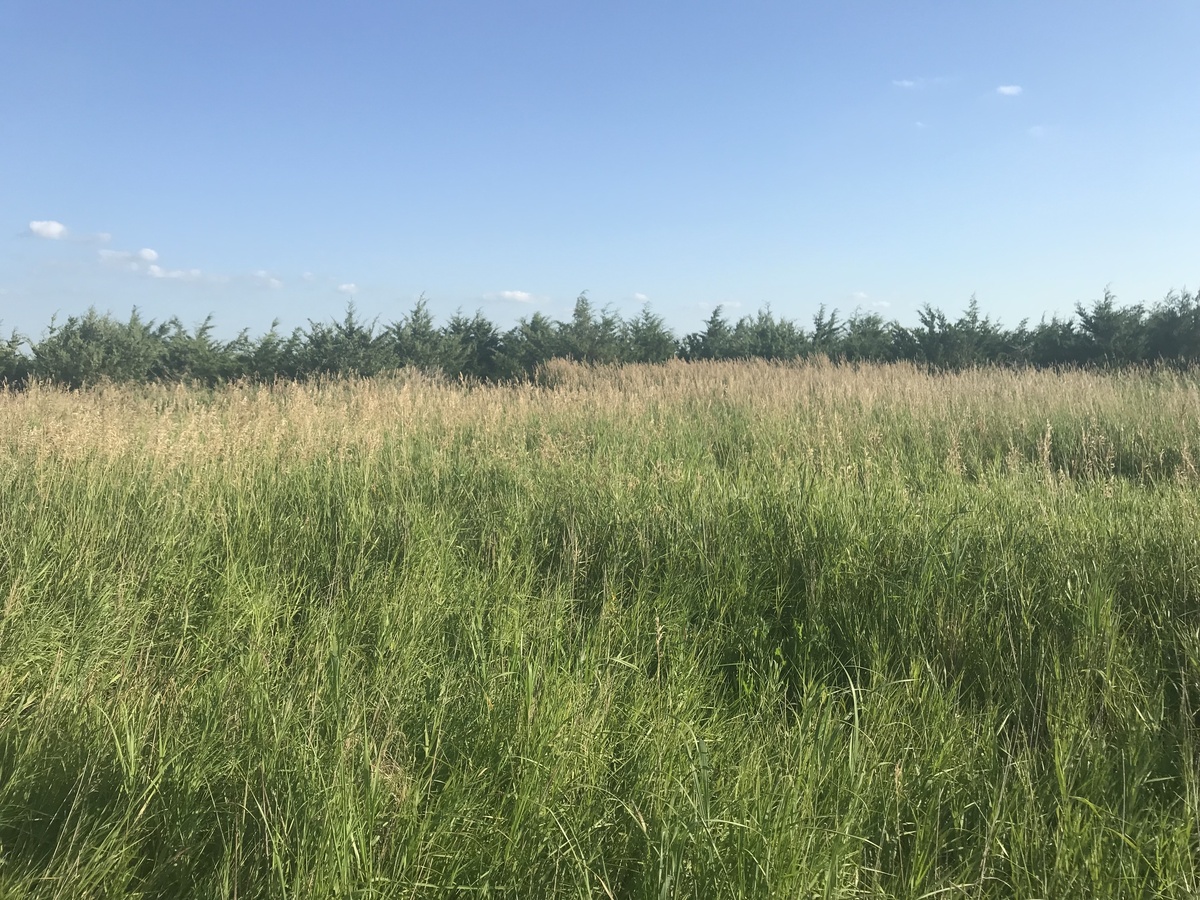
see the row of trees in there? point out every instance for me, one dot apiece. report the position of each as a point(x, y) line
point(96, 347)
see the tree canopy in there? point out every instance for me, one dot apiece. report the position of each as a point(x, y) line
point(98, 347)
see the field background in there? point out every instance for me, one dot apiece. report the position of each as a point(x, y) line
point(689, 630)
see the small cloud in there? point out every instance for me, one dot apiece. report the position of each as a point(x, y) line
point(918, 124)
point(1009, 90)
point(517, 296)
point(121, 259)
point(144, 262)
point(309, 276)
point(266, 279)
point(916, 84)
point(641, 298)
point(349, 288)
point(155, 271)
point(862, 298)
point(49, 229)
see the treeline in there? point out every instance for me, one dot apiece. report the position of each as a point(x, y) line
point(96, 347)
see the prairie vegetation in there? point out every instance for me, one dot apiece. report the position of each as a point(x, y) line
point(701, 629)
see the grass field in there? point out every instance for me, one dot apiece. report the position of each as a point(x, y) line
point(698, 630)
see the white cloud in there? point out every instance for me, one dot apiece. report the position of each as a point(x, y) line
point(266, 279)
point(49, 229)
point(517, 296)
point(862, 298)
point(641, 298)
point(349, 288)
point(1009, 90)
point(122, 259)
point(913, 84)
point(155, 271)
point(147, 255)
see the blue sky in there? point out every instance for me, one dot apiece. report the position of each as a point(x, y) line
point(274, 160)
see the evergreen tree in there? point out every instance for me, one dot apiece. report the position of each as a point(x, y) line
point(194, 356)
point(827, 332)
point(647, 339)
point(14, 364)
point(714, 342)
point(531, 343)
point(415, 341)
point(474, 348)
point(766, 337)
point(94, 347)
point(867, 339)
point(1112, 335)
point(1173, 329)
point(588, 339)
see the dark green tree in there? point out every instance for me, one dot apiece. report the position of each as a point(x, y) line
point(348, 347)
point(531, 343)
point(15, 366)
point(826, 333)
point(416, 341)
point(589, 339)
point(1111, 335)
point(714, 342)
point(195, 356)
point(647, 339)
point(474, 348)
point(94, 347)
point(766, 337)
point(1173, 329)
point(867, 338)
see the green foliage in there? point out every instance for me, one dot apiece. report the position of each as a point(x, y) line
point(194, 356)
point(766, 337)
point(95, 347)
point(531, 344)
point(647, 339)
point(474, 348)
point(588, 339)
point(415, 340)
point(714, 342)
point(1113, 334)
point(349, 347)
point(14, 365)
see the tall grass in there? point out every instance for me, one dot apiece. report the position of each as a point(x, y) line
point(698, 630)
